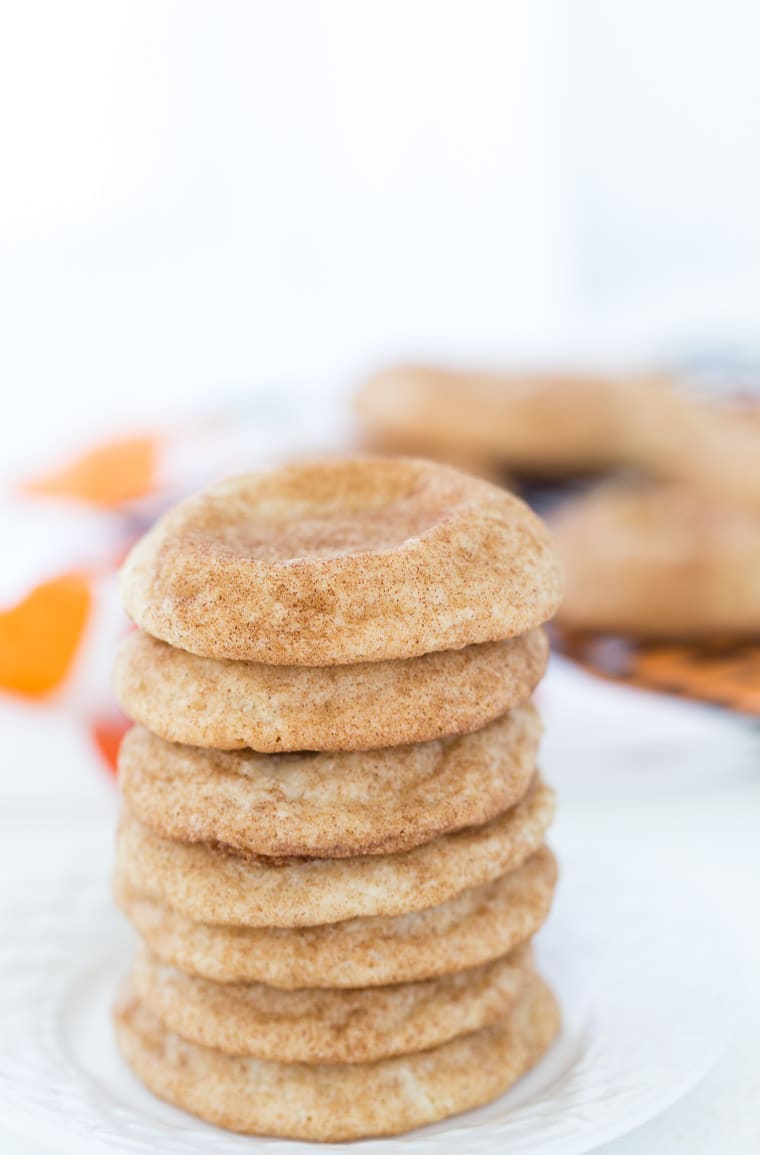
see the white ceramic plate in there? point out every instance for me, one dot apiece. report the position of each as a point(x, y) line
point(639, 974)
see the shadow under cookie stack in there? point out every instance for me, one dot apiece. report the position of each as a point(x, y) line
point(332, 841)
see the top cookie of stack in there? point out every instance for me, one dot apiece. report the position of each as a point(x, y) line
point(338, 871)
point(336, 605)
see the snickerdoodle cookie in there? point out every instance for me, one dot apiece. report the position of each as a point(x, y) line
point(341, 561)
point(338, 1101)
point(546, 423)
point(330, 1026)
point(329, 805)
point(655, 561)
point(230, 705)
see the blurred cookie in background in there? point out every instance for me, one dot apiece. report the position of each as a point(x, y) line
point(548, 425)
point(412, 411)
point(652, 482)
point(663, 591)
point(659, 562)
point(716, 449)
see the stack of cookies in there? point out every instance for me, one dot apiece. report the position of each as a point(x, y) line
point(332, 842)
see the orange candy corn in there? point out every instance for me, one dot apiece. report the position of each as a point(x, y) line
point(40, 635)
point(108, 475)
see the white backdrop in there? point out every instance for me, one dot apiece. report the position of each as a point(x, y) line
point(197, 195)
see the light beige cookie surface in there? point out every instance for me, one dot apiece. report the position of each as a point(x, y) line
point(544, 423)
point(340, 561)
point(476, 926)
point(333, 1102)
point(231, 705)
point(659, 562)
point(329, 805)
point(212, 886)
point(330, 1026)
point(715, 450)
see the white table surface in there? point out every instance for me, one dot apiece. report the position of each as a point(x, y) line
point(636, 794)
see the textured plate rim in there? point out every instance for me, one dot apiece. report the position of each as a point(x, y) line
point(68, 933)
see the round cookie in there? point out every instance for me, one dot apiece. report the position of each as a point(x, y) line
point(212, 886)
point(334, 1102)
point(340, 561)
point(659, 562)
point(537, 423)
point(476, 926)
point(330, 1026)
point(329, 805)
point(232, 705)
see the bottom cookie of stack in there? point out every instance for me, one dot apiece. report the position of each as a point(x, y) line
point(338, 1101)
point(365, 1027)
